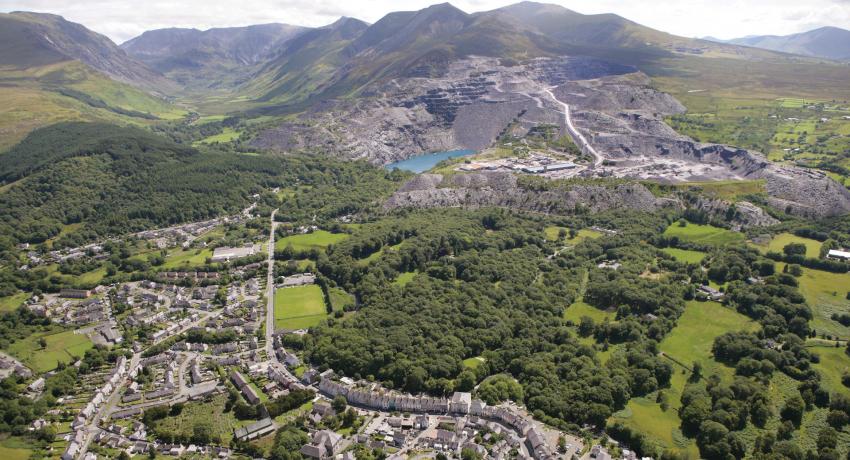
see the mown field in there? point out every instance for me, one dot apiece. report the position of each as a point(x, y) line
point(703, 234)
point(298, 307)
point(689, 342)
point(63, 346)
point(684, 255)
point(578, 309)
point(319, 239)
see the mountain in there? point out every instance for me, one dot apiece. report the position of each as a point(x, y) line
point(328, 63)
point(34, 39)
point(305, 64)
point(826, 42)
point(422, 43)
point(189, 55)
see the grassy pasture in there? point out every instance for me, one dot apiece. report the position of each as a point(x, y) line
point(319, 239)
point(298, 307)
point(227, 135)
point(690, 341)
point(551, 233)
point(12, 302)
point(834, 363)
point(703, 234)
point(826, 293)
point(15, 449)
point(575, 311)
point(340, 298)
point(783, 239)
point(684, 255)
point(187, 258)
point(473, 363)
point(404, 278)
point(63, 346)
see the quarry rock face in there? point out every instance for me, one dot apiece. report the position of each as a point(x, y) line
point(501, 189)
point(476, 99)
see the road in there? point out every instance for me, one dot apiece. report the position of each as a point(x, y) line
point(92, 429)
point(574, 132)
point(270, 295)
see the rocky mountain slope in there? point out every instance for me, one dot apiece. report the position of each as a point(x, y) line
point(501, 189)
point(825, 42)
point(34, 39)
point(195, 57)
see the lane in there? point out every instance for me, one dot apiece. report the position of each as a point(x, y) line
point(577, 136)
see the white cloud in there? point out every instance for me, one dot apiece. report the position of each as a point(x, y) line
point(124, 19)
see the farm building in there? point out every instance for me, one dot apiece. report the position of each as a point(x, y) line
point(838, 255)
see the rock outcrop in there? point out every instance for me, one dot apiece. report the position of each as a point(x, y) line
point(502, 190)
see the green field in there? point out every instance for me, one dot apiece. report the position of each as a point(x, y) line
point(319, 239)
point(377, 254)
point(693, 336)
point(783, 239)
point(298, 307)
point(15, 449)
point(583, 234)
point(64, 346)
point(834, 363)
point(578, 309)
point(473, 363)
point(340, 298)
point(208, 412)
point(12, 302)
point(227, 135)
point(187, 258)
point(690, 341)
point(703, 234)
point(404, 278)
point(826, 293)
point(684, 255)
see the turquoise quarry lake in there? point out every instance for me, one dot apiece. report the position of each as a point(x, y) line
point(423, 163)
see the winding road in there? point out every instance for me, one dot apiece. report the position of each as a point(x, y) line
point(574, 132)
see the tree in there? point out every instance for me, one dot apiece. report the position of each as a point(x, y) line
point(696, 372)
point(339, 403)
point(42, 342)
point(793, 410)
point(795, 249)
point(827, 438)
point(466, 381)
point(202, 433)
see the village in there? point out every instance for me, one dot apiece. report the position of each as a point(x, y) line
point(190, 337)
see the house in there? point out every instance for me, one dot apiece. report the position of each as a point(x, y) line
point(838, 255)
point(255, 430)
point(711, 293)
point(323, 445)
point(461, 402)
point(75, 293)
point(310, 376)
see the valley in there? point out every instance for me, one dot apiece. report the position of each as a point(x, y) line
point(517, 233)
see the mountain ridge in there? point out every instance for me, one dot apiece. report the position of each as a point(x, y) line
point(824, 42)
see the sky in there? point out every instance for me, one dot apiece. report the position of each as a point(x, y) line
point(124, 19)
